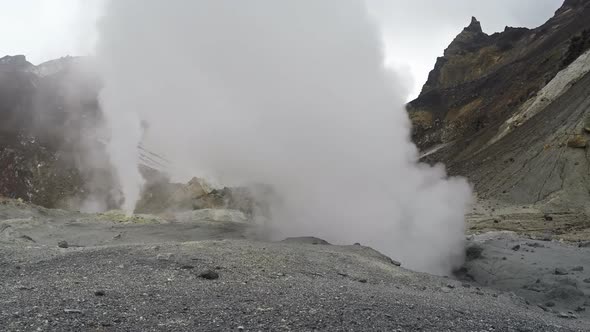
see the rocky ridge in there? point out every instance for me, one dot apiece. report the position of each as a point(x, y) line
point(508, 111)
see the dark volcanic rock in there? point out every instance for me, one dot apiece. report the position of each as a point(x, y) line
point(209, 275)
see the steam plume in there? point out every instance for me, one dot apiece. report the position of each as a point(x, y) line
point(292, 94)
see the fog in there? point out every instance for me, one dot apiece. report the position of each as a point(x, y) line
point(292, 94)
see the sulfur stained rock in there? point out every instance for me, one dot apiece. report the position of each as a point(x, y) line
point(577, 142)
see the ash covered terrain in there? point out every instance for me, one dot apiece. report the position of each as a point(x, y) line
point(127, 204)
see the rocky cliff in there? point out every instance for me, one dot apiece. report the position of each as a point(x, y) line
point(508, 110)
point(49, 115)
point(53, 152)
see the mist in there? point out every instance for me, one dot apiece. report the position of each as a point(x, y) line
point(290, 94)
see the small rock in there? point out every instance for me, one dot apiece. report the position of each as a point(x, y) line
point(566, 315)
point(451, 286)
point(580, 309)
point(578, 269)
point(209, 275)
point(560, 272)
point(546, 238)
point(550, 304)
point(63, 244)
point(516, 247)
point(99, 293)
point(187, 267)
point(362, 280)
point(548, 217)
point(164, 257)
point(28, 238)
point(587, 281)
point(72, 311)
point(577, 141)
point(466, 285)
point(584, 244)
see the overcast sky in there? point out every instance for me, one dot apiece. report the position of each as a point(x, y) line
point(415, 32)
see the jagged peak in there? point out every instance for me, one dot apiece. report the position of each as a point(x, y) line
point(15, 62)
point(13, 59)
point(474, 26)
point(468, 40)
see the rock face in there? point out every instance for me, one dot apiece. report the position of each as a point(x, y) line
point(48, 138)
point(508, 110)
point(53, 153)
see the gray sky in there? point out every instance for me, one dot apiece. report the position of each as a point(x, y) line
point(415, 32)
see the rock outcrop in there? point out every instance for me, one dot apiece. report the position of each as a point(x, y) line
point(508, 110)
point(50, 150)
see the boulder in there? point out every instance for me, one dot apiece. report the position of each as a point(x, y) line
point(577, 141)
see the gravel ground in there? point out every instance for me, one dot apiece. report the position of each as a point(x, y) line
point(552, 275)
point(66, 271)
point(245, 285)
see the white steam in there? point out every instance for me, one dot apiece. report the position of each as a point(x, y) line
point(292, 94)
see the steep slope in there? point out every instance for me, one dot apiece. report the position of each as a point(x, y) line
point(47, 117)
point(508, 111)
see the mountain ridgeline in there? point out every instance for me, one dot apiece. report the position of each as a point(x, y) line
point(510, 111)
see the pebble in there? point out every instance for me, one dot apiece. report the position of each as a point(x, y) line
point(578, 269)
point(63, 244)
point(560, 272)
point(164, 257)
point(99, 293)
point(72, 311)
